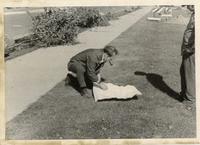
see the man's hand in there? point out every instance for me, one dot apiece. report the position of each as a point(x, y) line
point(100, 85)
point(103, 86)
point(99, 78)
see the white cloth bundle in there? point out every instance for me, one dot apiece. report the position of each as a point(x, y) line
point(115, 91)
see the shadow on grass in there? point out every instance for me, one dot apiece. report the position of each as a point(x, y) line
point(115, 99)
point(157, 81)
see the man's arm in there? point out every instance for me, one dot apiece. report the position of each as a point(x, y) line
point(188, 38)
point(91, 64)
point(100, 85)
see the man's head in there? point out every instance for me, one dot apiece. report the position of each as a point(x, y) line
point(191, 8)
point(110, 51)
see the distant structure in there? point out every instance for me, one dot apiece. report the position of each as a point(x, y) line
point(160, 12)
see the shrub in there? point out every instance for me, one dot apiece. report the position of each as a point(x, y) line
point(88, 18)
point(111, 16)
point(8, 44)
point(59, 26)
point(55, 26)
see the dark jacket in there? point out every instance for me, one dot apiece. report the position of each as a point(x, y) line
point(91, 60)
point(188, 45)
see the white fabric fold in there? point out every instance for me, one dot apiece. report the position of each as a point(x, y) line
point(115, 91)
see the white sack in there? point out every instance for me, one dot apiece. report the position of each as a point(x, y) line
point(115, 91)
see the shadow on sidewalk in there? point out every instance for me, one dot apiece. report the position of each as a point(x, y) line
point(157, 81)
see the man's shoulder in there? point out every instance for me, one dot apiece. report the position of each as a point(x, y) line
point(93, 51)
point(95, 54)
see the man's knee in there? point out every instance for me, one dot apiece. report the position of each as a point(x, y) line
point(80, 71)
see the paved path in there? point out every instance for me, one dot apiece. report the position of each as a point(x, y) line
point(32, 75)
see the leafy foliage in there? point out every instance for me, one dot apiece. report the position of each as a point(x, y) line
point(55, 26)
point(88, 18)
point(60, 26)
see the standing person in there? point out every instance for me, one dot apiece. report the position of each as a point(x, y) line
point(187, 69)
point(85, 67)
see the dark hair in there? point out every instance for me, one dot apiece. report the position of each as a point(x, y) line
point(190, 7)
point(110, 50)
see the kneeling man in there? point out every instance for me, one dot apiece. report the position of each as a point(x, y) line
point(85, 68)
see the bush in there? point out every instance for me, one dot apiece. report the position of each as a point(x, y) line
point(55, 26)
point(8, 44)
point(88, 18)
point(60, 26)
point(111, 16)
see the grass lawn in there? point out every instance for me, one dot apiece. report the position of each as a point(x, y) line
point(149, 59)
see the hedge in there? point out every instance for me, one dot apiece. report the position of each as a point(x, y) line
point(56, 26)
point(60, 26)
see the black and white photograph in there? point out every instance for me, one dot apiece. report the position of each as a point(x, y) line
point(100, 72)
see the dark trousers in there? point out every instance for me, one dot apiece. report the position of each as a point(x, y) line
point(187, 72)
point(80, 72)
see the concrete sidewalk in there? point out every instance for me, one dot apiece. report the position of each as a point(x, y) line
point(32, 75)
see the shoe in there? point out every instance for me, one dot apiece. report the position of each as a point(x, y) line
point(67, 80)
point(187, 98)
point(86, 93)
point(188, 104)
point(183, 97)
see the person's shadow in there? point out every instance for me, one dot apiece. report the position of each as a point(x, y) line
point(157, 81)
